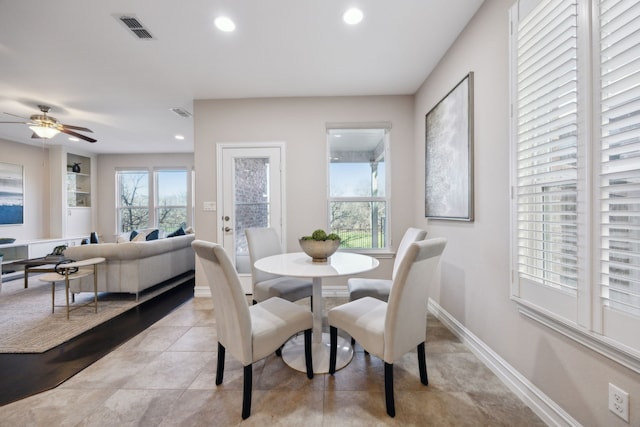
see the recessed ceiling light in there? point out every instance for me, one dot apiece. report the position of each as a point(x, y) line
point(353, 16)
point(180, 137)
point(225, 24)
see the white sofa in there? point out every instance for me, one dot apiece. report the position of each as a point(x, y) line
point(132, 267)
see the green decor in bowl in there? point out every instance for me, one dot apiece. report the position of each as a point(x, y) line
point(320, 245)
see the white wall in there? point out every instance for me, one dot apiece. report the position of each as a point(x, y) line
point(36, 194)
point(300, 124)
point(107, 164)
point(475, 266)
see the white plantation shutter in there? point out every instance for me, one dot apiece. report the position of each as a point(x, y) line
point(620, 156)
point(575, 131)
point(547, 150)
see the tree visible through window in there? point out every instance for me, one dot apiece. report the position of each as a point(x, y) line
point(358, 187)
point(171, 199)
point(135, 195)
point(133, 200)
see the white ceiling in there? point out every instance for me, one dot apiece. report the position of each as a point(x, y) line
point(75, 56)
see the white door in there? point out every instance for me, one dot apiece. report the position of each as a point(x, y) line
point(249, 195)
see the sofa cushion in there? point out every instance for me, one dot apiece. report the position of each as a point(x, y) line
point(178, 232)
point(153, 235)
point(140, 237)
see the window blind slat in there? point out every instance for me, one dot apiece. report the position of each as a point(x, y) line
point(546, 168)
point(554, 67)
point(554, 113)
point(562, 128)
point(620, 155)
point(540, 22)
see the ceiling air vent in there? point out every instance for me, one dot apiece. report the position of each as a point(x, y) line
point(181, 112)
point(132, 23)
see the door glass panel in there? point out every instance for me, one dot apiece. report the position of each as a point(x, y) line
point(252, 203)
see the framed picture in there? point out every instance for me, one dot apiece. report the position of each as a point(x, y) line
point(11, 194)
point(448, 192)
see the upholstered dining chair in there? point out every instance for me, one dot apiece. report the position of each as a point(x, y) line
point(359, 287)
point(250, 333)
point(264, 242)
point(390, 329)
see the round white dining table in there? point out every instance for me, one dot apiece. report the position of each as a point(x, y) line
point(299, 264)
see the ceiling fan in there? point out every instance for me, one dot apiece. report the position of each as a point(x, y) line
point(45, 126)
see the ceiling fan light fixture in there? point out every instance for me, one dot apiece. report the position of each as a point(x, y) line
point(44, 131)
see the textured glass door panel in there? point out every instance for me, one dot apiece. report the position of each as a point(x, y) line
point(251, 203)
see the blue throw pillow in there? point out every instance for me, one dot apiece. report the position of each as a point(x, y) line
point(178, 232)
point(134, 233)
point(153, 235)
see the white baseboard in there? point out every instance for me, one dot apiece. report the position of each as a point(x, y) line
point(550, 412)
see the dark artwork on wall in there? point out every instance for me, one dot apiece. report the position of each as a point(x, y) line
point(449, 155)
point(11, 194)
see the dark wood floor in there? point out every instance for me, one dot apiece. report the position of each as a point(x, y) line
point(23, 375)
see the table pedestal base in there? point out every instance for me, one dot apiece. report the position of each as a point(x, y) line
point(293, 354)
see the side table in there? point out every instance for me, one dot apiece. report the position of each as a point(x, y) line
point(68, 275)
point(38, 265)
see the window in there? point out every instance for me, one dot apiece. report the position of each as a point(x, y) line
point(169, 195)
point(575, 132)
point(358, 187)
point(133, 200)
point(171, 199)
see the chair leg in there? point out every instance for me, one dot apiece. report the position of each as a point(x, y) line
point(422, 364)
point(307, 353)
point(388, 389)
point(246, 392)
point(353, 344)
point(220, 368)
point(333, 349)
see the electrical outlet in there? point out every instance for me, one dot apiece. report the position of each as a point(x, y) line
point(619, 402)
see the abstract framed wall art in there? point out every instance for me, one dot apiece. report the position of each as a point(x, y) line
point(11, 194)
point(449, 155)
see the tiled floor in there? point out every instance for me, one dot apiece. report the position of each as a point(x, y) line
point(165, 376)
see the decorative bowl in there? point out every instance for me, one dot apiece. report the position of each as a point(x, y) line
point(319, 250)
point(6, 240)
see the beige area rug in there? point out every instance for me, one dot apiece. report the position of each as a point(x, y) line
point(28, 326)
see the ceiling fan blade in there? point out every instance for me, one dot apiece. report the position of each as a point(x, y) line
point(24, 123)
point(77, 128)
point(14, 115)
point(77, 135)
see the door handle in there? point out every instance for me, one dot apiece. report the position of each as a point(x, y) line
point(227, 229)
